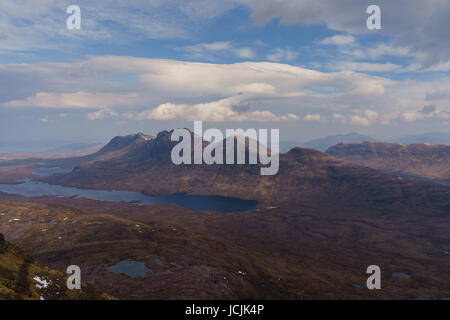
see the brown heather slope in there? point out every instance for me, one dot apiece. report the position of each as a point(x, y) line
point(18, 274)
point(420, 160)
point(60, 236)
point(305, 177)
point(296, 252)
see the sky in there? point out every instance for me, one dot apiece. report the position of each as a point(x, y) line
point(310, 68)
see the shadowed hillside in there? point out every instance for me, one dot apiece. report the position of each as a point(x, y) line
point(421, 160)
point(22, 278)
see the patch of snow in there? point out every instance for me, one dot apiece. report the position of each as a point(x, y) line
point(42, 282)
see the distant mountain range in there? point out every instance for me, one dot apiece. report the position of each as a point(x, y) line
point(47, 147)
point(75, 148)
point(431, 137)
point(323, 144)
point(421, 160)
point(142, 163)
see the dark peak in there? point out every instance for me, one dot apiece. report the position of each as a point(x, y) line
point(302, 154)
point(166, 135)
point(141, 135)
point(121, 142)
point(163, 134)
point(133, 136)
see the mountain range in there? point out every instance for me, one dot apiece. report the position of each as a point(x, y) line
point(421, 160)
point(143, 163)
point(322, 144)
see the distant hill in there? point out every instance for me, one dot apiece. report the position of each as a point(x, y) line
point(285, 146)
point(421, 160)
point(47, 148)
point(75, 148)
point(323, 144)
point(431, 137)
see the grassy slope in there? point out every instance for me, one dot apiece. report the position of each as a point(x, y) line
point(284, 254)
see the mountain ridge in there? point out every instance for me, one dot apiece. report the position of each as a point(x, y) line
point(305, 176)
point(322, 144)
point(420, 159)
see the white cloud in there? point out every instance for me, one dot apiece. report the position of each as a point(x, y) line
point(210, 50)
point(351, 53)
point(312, 117)
point(369, 117)
point(179, 90)
point(245, 53)
point(73, 100)
point(290, 116)
point(339, 40)
point(359, 120)
point(281, 54)
point(407, 22)
point(217, 111)
point(442, 66)
point(414, 24)
point(101, 114)
point(379, 51)
point(427, 112)
point(368, 67)
point(27, 25)
point(339, 117)
point(157, 81)
point(263, 78)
